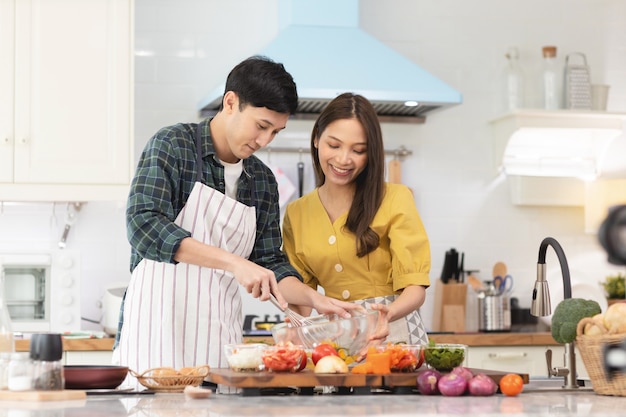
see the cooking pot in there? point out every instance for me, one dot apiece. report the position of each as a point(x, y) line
point(494, 313)
point(94, 377)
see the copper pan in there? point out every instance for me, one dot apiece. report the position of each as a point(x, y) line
point(94, 377)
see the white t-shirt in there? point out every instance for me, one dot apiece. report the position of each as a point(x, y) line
point(232, 172)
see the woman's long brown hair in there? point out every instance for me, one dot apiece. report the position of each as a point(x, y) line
point(370, 184)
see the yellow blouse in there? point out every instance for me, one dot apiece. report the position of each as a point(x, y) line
point(324, 253)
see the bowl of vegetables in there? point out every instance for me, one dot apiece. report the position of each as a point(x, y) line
point(403, 357)
point(284, 357)
point(444, 356)
point(245, 357)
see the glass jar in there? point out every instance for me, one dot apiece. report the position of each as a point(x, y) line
point(513, 82)
point(5, 359)
point(551, 77)
point(20, 377)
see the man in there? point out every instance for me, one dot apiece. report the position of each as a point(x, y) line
point(202, 219)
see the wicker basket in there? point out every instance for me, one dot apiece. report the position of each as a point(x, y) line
point(171, 380)
point(591, 350)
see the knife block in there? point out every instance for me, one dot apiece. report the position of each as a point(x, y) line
point(450, 305)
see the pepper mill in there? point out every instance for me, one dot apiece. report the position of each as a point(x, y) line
point(46, 352)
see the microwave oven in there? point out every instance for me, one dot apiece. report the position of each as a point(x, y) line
point(42, 290)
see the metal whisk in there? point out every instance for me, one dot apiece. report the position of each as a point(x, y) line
point(294, 318)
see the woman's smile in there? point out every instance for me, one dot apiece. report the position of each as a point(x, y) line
point(340, 171)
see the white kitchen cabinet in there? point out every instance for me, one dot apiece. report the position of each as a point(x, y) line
point(523, 359)
point(66, 85)
point(88, 357)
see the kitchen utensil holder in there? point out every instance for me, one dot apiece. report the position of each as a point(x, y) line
point(577, 83)
point(494, 313)
point(450, 307)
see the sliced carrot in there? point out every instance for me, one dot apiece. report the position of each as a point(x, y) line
point(381, 361)
point(363, 368)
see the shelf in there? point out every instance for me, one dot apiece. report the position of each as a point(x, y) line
point(560, 143)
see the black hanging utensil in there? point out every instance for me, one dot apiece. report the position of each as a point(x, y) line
point(300, 178)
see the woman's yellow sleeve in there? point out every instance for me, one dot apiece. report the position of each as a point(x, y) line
point(290, 242)
point(409, 244)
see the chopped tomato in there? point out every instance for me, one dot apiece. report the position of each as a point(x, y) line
point(284, 357)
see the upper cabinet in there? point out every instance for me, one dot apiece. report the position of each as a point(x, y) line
point(66, 85)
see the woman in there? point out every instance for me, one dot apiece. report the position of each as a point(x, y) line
point(357, 237)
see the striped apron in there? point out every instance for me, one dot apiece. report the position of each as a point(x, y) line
point(181, 315)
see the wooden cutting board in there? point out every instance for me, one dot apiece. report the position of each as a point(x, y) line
point(305, 378)
point(395, 171)
point(61, 395)
point(308, 378)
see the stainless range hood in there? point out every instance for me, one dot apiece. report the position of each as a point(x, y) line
point(322, 46)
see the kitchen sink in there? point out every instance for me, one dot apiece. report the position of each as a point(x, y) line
point(545, 384)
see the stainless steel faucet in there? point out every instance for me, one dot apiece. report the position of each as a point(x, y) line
point(541, 307)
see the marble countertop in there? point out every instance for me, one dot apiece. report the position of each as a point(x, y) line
point(529, 403)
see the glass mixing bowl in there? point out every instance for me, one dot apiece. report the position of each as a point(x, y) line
point(349, 334)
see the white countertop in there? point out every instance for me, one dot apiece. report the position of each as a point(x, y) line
point(531, 403)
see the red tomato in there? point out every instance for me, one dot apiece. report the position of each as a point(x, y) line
point(420, 360)
point(303, 361)
point(322, 350)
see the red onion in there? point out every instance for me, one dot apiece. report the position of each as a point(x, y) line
point(452, 385)
point(464, 372)
point(482, 385)
point(427, 382)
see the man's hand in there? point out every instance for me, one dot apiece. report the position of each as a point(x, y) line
point(257, 280)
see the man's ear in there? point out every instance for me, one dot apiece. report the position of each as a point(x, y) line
point(230, 101)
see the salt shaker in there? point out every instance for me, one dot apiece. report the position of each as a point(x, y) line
point(5, 359)
point(20, 375)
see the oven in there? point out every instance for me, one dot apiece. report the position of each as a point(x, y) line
point(42, 290)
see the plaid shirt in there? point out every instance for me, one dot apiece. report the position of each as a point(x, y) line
point(165, 176)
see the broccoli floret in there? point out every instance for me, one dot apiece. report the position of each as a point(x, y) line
point(567, 314)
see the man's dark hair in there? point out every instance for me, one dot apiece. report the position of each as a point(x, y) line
point(261, 82)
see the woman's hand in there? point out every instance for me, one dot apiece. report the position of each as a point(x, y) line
point(328, 305)
point(381, 331)
point(382, 325)
point(303, 299)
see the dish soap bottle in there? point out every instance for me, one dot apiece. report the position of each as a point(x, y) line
point(7, 344)
point(551, 79)
point(513, 81)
